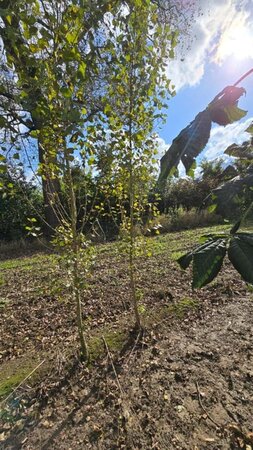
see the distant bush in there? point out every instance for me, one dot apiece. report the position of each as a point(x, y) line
point(191, 193)
point(19, 200)
point(182, 219)
point(21, 247)
point(193, 218)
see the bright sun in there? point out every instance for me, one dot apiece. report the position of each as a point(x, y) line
point(236, 41)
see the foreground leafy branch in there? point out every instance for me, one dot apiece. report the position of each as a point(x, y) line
point(190, 142)
point(208, 258)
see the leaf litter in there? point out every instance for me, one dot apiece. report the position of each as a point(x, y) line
point(140, 391)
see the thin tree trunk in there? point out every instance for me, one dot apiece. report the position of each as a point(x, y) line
point(51, 192)
point(132, 237)
point(76, 248)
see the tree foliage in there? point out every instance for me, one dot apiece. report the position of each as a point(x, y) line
point(49, 80)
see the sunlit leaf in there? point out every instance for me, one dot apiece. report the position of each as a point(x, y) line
point(212, 208)
point(250, 129)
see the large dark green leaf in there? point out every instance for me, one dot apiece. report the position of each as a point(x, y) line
point(191, 140)
point(185, 260)
point(207, 262)
point(187, 145)
point(240, 253)
point(235, 227)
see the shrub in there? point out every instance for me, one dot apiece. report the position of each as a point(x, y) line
point(182, 220)
point(19, 200)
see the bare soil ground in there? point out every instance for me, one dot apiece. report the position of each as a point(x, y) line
point(185, 383)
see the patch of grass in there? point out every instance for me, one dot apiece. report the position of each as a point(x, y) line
point(1, 280)
point(27, 263)
point(157, 244)
point(176, 255)
point(183, 306)
point(178, 310)
point(13, 373)
point(115, 340)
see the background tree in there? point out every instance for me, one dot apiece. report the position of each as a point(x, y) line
point(49, 77)
point(19, 201)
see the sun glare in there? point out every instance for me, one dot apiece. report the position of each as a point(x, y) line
point(237, 42)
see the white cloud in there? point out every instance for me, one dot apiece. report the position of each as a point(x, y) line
point(162, 147)
point(214, 34)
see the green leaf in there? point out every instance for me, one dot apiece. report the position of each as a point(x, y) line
point(250, 129)
point(234, 113)
point(71, 37)
point(91, 160)
point(9, 19)
point(207, 262)
point(66, 92)
point(82, 69)
point(34, 48)
point(185, 260)
point(3, 168)
point(34, 133)
point(187, 145)
point(212, 208)
point(191, 171)
point(240, 253)
point(235, 227)
point(2, 122)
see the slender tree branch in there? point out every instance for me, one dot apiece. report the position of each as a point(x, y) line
point(243, 77)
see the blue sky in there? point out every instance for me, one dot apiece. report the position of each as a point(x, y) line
point(221, 51)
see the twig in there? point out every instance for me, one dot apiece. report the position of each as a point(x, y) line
point(20, 384)
point(204, 409)
point(112, 364)
point(244, 76)
point(134, 346)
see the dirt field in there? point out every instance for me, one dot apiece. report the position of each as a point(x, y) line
point(185, 383)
